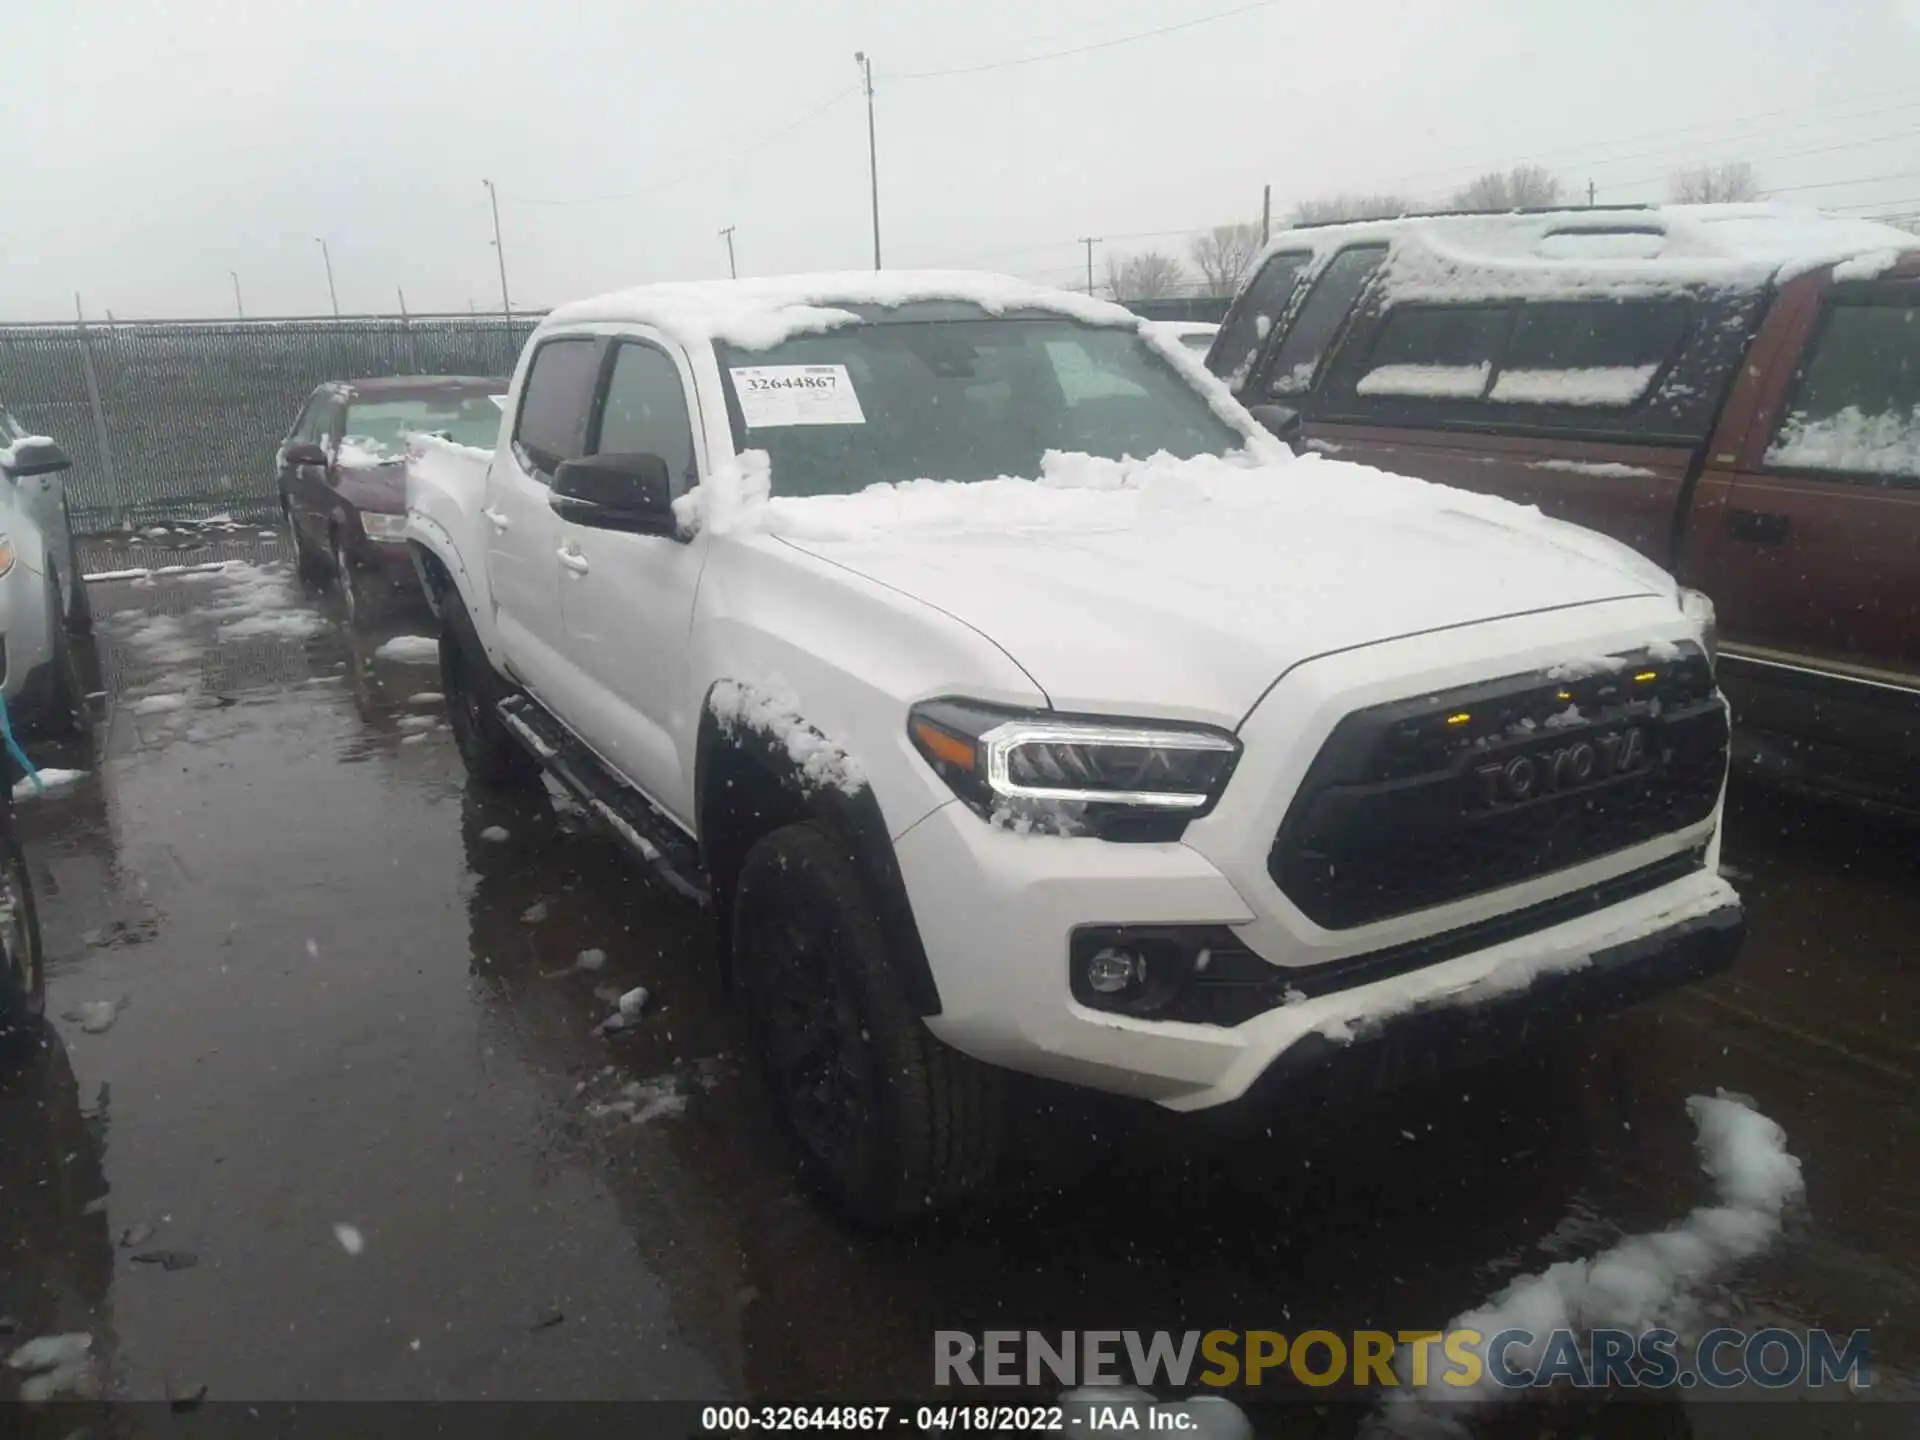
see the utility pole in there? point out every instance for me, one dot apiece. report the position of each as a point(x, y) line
point(332, 294)
point(733, 272)
point(238, 308)
point(1589, 194)
point(1266, 213)
point(873, 151)
point(499, 250)
point(1089, 241)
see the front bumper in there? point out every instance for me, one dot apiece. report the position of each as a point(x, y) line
point(999, 946)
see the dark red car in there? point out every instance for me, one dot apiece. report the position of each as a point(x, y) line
point(343, 477)
point(1733, 390)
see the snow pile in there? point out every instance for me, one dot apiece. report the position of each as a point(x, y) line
point(1455, 382)
point(56, 1365)
point(50, 782)
point(1885, 444)
point(1641, 1282)
point(759, 314)
point(775, 713)
point(1201, 499)
point(254, 601)
point(1596, 386)
point(349, 1238)
point(158, 704)
point(365, 452)
point(410, 650)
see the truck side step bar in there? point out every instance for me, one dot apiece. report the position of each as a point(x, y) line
point(656, 841)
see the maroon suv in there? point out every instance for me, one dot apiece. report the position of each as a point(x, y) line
point(343, 477)
point(1734, 390)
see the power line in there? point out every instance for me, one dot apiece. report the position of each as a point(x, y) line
point(1084, 49)
point(1787, 155)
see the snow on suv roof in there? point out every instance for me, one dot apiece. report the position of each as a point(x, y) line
point(755, 314)
point(1606, 250)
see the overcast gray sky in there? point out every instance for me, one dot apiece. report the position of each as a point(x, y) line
point(155, 147)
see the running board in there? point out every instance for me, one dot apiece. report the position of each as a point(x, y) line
point(655, 840)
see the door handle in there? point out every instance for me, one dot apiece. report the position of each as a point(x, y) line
point(573, 560)
point(496, 519)
point(1757, 527)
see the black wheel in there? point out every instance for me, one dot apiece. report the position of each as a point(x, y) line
point(358, 596)
point(306, 564)
point(473, 693)
point(887, 1122)
point(23, 971)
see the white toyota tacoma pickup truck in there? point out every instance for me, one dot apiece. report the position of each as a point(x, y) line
point(1020, 704)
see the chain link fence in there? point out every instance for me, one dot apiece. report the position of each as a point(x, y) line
point(181, 420)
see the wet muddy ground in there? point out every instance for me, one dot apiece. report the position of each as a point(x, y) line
point(351, 1092)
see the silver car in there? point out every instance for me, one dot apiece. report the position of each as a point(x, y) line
point(43, 598)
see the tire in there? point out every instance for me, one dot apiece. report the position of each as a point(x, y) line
point(306, 564)
point(886, 1122)
point(358, 596)
point(473, 691)
point(23, 970)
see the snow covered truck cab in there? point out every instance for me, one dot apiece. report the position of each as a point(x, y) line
point(1020, 705)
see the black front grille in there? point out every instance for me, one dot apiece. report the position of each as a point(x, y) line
point(1423, 801)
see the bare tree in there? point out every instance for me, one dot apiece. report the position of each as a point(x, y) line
point(1222, 256)
point(1525, 187)
point(1333, 208)
point(1146, 276)
point(1713, 184)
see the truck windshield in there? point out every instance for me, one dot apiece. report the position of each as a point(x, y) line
point(958, 400)
point(381, 426)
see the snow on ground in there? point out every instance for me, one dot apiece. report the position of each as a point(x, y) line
point(50, 782)
point(1641, 1282)
point(410, 650)
point(774, 711)
point(350, 1238)
point(1885, 444)
point(158, 704)
point(156, 639)
point(56, 1365)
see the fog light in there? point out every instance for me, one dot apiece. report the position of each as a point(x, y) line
point(1112, 970)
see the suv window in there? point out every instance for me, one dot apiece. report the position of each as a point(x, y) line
point(645, 412)
point(1593, 352)
point(1321, 317)
point(1262, 306)
point(552, 425)
point(317, 425)
point(1436, 351)
point(1855, 405)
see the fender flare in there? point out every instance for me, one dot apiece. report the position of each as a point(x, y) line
point(428, 539)
point(857, 817)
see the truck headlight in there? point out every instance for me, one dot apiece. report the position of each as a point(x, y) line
point(1697, 606)
point(1034, 765)
point(383, 527)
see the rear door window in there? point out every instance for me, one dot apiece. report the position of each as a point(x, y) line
point(1322, 317)
point(1261, 307)
point(1440, 352)
point(1854, 408)
point(1599, 353)
point(552, 425)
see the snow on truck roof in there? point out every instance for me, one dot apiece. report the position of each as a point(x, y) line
point(1607, 249)
point(755, 314)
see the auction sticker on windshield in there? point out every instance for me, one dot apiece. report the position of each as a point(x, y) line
point(776, 395)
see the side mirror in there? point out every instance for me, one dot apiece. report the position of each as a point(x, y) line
point(1282, 420)
point(633, 493)
point(304, 452)
point(36, 455)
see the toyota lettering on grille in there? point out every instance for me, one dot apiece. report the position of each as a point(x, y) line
point(1577, 765)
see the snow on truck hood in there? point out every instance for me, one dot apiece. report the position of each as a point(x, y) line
point(1185, 587)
